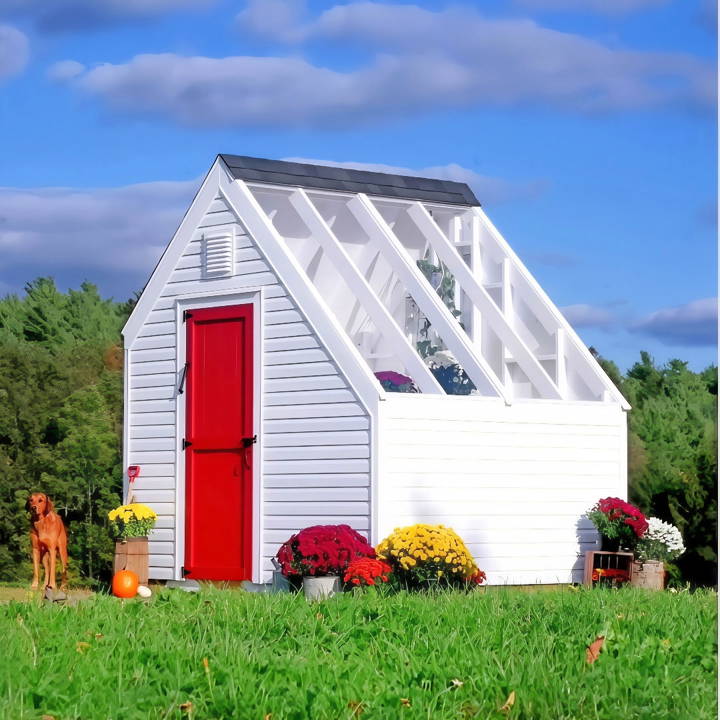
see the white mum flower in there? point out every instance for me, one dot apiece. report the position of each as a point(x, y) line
point(442, 358)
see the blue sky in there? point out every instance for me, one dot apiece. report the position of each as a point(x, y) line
point(587, 129)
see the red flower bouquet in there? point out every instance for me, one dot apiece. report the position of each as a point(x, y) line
point(322, 550)
point(367, 571)
point(613, 576)
point(618, 521)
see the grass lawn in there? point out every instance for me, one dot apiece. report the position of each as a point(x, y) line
point(228, 654)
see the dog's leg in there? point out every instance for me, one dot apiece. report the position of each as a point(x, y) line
point(46, 565)
point(52, 551)
point(36, 562)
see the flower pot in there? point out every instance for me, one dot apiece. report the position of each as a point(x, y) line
point(132, 554)
point(649, 574)
point(320, 588)
point(609, 544)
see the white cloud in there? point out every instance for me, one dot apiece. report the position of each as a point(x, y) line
point(44, 231)
point(488, 190)
point(65, 70)
point(692, 324)
point(605, 7)
point(278, 18)
point(14, 51)
point(62, 15)
point(588, 316)
point(420, 61)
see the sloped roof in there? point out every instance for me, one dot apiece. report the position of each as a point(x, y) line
point(324, 177)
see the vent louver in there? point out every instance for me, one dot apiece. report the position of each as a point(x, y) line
point(218, 254)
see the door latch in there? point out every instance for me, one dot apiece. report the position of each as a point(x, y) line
point(181, 387)
point(247, 443)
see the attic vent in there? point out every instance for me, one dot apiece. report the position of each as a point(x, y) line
point(218, 252)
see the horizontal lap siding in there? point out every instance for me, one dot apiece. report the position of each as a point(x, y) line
point(514, 481)
point(315, 434)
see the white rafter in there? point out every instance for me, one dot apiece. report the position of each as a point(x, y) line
point(497, 319)
point(587, 367)
point(476, 367)
point(378, 313)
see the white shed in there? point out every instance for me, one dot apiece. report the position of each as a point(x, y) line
point(253, 405)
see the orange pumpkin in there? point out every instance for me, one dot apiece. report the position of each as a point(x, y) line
point(125, 584)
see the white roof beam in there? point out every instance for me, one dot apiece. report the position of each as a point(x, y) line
point(478, 294)
point(591, 366)
point(282, 261)
point(379, 314)
point(477, 369)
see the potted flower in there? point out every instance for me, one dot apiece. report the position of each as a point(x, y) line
point(130, 525)
point(367, 572)
point(661, 543)
point(423, 555)
point(320, 555)
point(619, 523)
point(448, 372)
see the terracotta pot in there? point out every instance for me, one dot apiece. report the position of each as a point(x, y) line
point(321, 588)
point(132, 554)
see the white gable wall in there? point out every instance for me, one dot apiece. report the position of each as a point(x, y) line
point(315, 434)
point(513, 481)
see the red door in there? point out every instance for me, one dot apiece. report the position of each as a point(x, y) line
point(218, 449)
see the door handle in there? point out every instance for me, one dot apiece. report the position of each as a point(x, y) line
point(181, 387)
point(247, 443)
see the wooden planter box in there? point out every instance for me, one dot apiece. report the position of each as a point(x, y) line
point(649, 575)
point(603, 560)
point(132, 554)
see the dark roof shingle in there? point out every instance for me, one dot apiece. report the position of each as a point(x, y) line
point(324, 177)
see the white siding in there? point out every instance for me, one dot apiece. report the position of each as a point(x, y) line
point(513, 481)
point(315, 433)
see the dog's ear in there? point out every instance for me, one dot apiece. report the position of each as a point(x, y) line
point(27, 503)
point(49, 507)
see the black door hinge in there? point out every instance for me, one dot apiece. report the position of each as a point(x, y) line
point(184, 571)
point(248, 441)
point(186, 314)
point(186, 444)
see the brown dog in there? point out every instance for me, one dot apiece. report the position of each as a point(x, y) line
point(48, 537)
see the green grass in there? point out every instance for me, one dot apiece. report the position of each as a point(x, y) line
point(363, 656)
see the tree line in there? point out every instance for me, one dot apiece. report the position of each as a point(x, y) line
point(61, 431)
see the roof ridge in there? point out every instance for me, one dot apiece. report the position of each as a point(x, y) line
point(332, 177)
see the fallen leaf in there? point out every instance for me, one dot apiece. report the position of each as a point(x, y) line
point(206, 665)
point(319, 616)
point(456, 683)
point(357, 708)
point(268, 716)
point(186, 707)
point(405, 702)
point(509, 702)
point(593, 650)
point(81, 646)
point(47, 717)
point(98, 636)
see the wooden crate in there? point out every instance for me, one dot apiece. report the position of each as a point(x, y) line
point(600, 559)
point(132, 554)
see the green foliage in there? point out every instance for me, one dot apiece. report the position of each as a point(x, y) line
point(445, 655)
point(60, 420)
point(673, 425)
